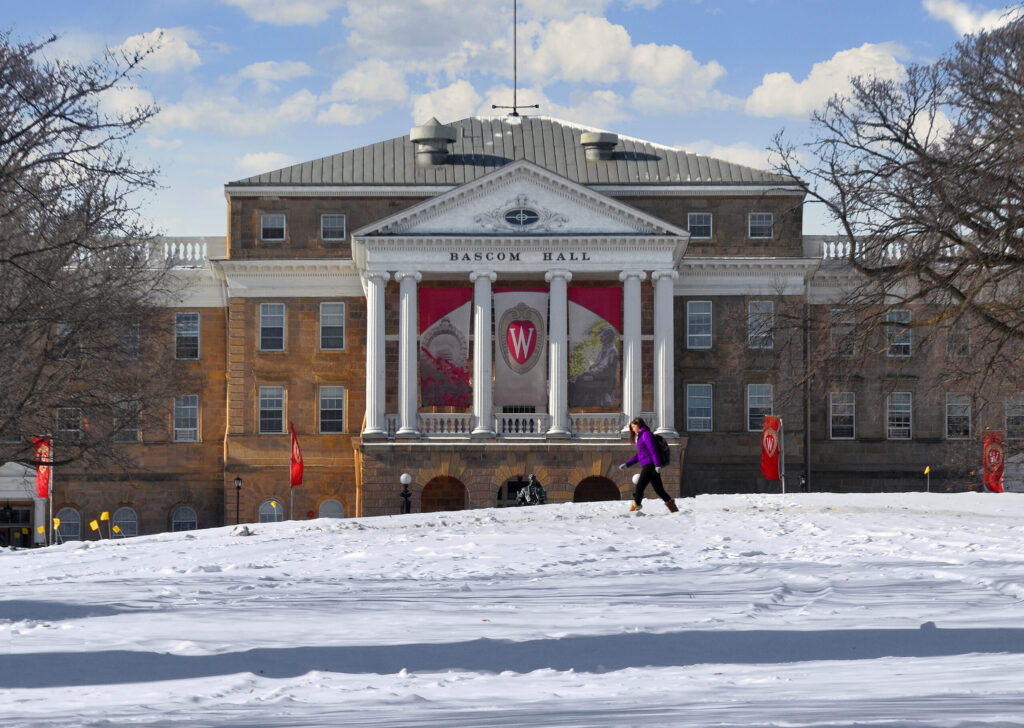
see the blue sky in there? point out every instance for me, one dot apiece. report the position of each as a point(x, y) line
point(246, 86)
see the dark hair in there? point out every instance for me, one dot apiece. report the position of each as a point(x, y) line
point(639, 422)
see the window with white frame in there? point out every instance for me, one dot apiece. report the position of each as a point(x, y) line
point(70, 528)
point(126, 422)
point(899, 416)
point(699, 408)
point(332, 227)
point(331, 508)
point(186, 335)
point(958, 416)
point(761, 225)
point(842, 415)
point(897, 331)
point(125, 523)
point(272, 227)
point(760, 324)
point(759, 404)
point(69, 424)
point(272, 327)
point(1015, 416)
point(186, 418)
point(332, 410)
point(698, 324)
point(271, 410)
point(332, 325)
point(958, 343)
point(841, 332)
point(184, 518)
point(271, 511)
point(699, 224)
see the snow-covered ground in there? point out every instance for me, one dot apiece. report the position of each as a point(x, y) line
point(793, 610)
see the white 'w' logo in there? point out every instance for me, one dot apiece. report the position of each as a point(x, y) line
point(521, 341)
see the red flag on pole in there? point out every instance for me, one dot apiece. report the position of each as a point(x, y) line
point(42, 453)
point(770, 437)
point(296, 458)
point(994, 461)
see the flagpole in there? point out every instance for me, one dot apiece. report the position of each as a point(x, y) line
point(782, 456)
point(52, 537)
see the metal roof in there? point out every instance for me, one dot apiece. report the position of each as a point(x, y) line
point(486, 143)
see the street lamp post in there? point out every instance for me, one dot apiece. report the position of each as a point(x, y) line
point(405, 479)
point(238, 496)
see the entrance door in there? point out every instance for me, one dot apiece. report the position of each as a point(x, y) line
point(595, 488)
point(16, 526)
point(443, 493)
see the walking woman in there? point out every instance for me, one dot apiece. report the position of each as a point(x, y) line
point(647, 455)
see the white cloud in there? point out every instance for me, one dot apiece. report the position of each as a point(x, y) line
point(780, 95)
point(446, 104)
point(966, 20)
point(372, 80)
point(226, 115)
point(266, 73)
point(172, 49)
point(260, 162)
point(347, 114)
point(121, 100)
point(287, 12)
point(158, 143)
point(740, 153)
point(585, 48)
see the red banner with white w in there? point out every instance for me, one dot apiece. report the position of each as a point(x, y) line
point(993, 454)
point(521, 347)
point(771, 436)
point(42, 453)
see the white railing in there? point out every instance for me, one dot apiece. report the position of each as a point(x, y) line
point(599, 425)
point(190, 252)
point(583, 426)
point(445, 425)
point(521, 425)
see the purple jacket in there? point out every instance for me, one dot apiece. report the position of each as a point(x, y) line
point(646, 452)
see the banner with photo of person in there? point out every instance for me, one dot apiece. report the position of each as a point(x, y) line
point(595, 323)
point(521, 347)
point(444, 346)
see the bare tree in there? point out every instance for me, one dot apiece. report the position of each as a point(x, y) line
point(82, 337)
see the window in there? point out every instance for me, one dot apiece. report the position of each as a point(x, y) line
point(126, 422)
point(842, 415)
point(332, 325)
point(332, 227)
point(184, 519)
point(70, 528)
point(271, 410)
point(64, 345)
point(760, 224)
point(898, 333)
point(271, 227)
point(271, 327)
point(759, 404)
point(331, 508)
point(69, 424)
point(1015, 417)
point(699, 224)
point(698, 408)
point(958, 416)
point(958, 345)
point(899, 412)
point(760, 324)
point(271, 511)
point(186, 336)
point(128, 343)
point(332, 409)
point(186, 418)
point(841, 332)
point(126, 520)
point(698, 324)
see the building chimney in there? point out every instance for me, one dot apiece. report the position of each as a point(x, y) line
point(598, 145)
point(432, 140)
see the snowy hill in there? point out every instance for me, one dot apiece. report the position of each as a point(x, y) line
point(797, 610)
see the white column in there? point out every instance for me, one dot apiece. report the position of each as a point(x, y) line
point(558, 348)
point(408, 401)
point(374, 282)
point(483, 348)
point(664, 358)
point(632, 371)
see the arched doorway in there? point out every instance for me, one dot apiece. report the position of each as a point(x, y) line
point(595, 488)
point(443, 493)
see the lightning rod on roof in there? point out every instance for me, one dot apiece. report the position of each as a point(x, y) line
point(515, 71)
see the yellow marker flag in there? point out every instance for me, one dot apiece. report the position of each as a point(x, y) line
point(117, 529)
point(41, 529)
point(56, 523)
point(25, 531)
point(273, 504)
point(927, 469)
point(105, 516)
point(94, 525)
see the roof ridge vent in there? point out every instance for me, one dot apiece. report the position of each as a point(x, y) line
point(598, 145)
point(431, 141)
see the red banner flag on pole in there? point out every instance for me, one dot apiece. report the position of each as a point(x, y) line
point(296, 458)
point(770, 437)
point(994, 461)
point(42, 453)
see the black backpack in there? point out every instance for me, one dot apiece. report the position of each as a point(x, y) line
point(664, 454)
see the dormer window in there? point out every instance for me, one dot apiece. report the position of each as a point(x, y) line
point(272, 227)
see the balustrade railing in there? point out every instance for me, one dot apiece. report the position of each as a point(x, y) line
point(582, 425)
point(521, 425)
point(596, 425)
point(445, 425)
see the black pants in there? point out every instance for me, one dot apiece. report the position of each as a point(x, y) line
point(648, 475)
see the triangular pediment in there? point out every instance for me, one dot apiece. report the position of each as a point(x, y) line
point(520, 199)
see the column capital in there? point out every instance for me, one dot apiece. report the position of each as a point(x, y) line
point(383, 275)
point(490, 274)
point(638, 274)
point(659, 274)
point(558, 273)
point(402, 275)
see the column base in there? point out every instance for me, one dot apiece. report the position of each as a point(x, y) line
point(482, 434)
point(375, 435)
point(558, 434)
point(407, 434)
point(666, 432)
